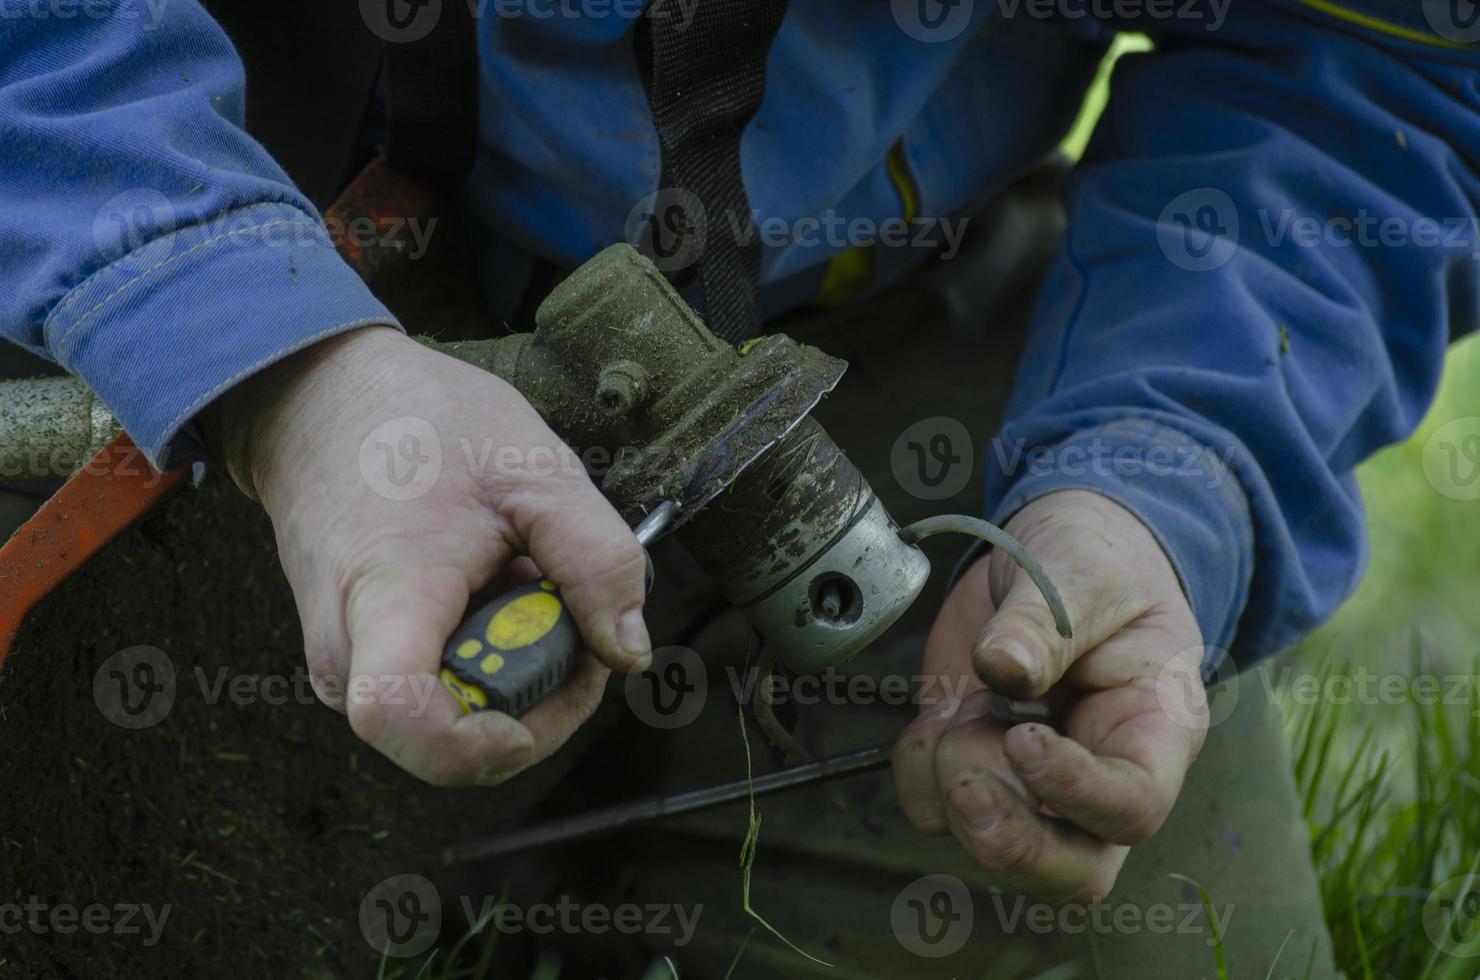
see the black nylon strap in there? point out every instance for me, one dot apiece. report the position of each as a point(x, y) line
point(431, 86)
point(708, 75)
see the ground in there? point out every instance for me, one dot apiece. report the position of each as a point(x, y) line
point(260, 825)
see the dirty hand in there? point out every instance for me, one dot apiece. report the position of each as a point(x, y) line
point(327, 440)
point(1051, 813)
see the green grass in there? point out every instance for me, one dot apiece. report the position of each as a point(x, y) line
point(1392, 790)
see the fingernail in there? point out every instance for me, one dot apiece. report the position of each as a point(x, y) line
point(977, 705)
point(975, 804)
point(1013, 662)
point(632, 637)
point(1028, 749)
point(502, 728)
point(946, 708)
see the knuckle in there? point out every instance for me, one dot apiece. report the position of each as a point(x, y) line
point(1012, 851)
point(1094, 887)
point(1147, 818)
point(445, 777)
point(497, 777)
point(368, 719)
point(1063, 777)
point(952, 744)
point(622, 558)
point(911, 748)
point(918, 740)
point(924, 817)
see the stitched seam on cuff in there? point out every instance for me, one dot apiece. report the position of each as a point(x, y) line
point(1110, 431)
point(300, 217)
point(194, 408)
point(129, 284)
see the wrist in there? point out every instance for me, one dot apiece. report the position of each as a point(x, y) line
point(1185, 493)
point(250, 428)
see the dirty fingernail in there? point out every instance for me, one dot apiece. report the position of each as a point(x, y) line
point(514, 743)
point(499, 728)
point(975, 804)
point(1028, 749)
point(977, 705)
point(945, 708)
point(1010, 659)
point(632, 637)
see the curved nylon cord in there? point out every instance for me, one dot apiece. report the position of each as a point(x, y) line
point(997, 538)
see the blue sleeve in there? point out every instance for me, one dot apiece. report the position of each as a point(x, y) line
point(1272, 239)
point(147, 244)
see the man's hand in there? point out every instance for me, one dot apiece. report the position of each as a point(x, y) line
point(1052, 813)
point(381, 583)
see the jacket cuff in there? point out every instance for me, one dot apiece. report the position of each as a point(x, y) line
point(163, 331)
point(1186, 493)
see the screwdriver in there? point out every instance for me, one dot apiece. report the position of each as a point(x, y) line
point(521, 646)
point(629, 816)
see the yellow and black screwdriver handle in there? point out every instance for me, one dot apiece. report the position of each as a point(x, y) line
point(521, 646)
point(512, 652)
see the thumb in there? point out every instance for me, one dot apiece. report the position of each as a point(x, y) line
point(396, 615)
point(1020, 651)
point(583, 545)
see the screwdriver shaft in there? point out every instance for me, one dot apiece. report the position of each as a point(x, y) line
point(625, 816)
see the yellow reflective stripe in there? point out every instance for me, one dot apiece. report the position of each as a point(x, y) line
point(1384, 27)
point(898, 166)
point(849, 273)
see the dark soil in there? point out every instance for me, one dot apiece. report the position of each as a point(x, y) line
point(261, 826)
